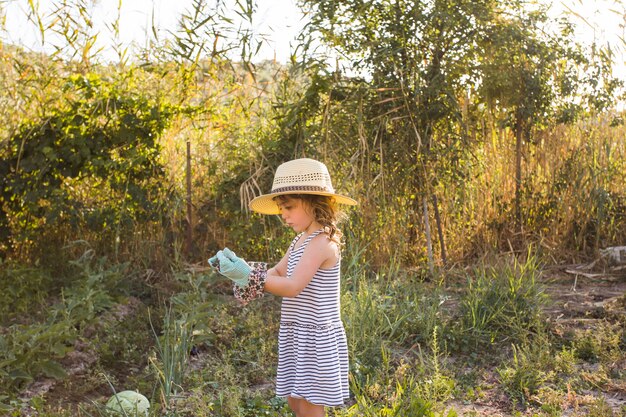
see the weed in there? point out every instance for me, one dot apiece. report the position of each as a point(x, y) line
point(600, 344)
point(28, 351)
point(565, 361)
point(23, 292)
point(387, 310)
point(522, 380)
point(552, 402)
point(600, 408)
point(502, 303)
point(122, 346)
point(172, 352)
point(404, 400)
point(435, 385)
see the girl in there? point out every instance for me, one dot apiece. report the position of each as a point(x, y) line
point(312, 348)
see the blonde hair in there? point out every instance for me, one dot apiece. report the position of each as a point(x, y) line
point(325, 211)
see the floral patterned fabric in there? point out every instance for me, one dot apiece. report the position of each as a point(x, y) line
point(255, 287)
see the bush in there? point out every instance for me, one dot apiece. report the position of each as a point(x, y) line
point(502, 302)
point(23, 291)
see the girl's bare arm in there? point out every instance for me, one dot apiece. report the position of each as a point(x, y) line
point(319, 250)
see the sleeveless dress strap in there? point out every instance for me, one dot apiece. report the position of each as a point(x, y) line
point(295, 240)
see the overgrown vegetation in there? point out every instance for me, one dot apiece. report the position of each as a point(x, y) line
point(482, 152)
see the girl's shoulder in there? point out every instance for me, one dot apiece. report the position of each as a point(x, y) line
point(324, 244)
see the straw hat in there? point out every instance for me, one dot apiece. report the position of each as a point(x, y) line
point(300, 176)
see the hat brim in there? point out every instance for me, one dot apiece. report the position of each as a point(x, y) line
point(264, 204)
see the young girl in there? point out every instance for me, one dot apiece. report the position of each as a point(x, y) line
point(312, 348)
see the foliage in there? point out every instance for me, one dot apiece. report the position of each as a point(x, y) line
point(428, 105)
point(29, 351)
point(172, 350)
point(525, 376)
point(100, 142)
point(502, 302)
point(400, 392)
point(602, 344)
point(33, 345)
point(23, 290)
point(386, 311)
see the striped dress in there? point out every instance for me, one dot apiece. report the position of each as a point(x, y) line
point(312, 346)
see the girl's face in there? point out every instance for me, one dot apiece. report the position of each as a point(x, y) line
point(296, 214)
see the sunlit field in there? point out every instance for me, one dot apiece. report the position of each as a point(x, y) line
point(483, 272)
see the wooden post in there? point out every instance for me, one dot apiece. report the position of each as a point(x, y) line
point(442, 242)
point(189, 231)
point(519, 131)
point(429, 241)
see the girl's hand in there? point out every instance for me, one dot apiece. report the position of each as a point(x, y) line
point(232, 267)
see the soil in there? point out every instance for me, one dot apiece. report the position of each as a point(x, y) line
point(579, 298)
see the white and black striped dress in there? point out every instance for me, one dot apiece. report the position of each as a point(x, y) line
point(312, 346)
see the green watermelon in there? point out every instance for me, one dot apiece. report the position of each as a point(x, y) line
point(128, 403)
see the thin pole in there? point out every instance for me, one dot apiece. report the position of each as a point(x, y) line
point(189, 237)
point(429, 241)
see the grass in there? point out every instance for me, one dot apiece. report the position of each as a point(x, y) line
point(416, 347)
point(172, 351)
point(502, 303)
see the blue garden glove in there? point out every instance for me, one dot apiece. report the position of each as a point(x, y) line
point(232, 267)
point(214, 262)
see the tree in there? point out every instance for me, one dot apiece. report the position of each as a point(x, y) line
point(420, 59)
point(531, 76)
point(100, 139)
point(419, 56)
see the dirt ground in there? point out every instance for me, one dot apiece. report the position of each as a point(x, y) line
point(581, 297)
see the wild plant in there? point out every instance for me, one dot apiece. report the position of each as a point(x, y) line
point(603, 343)
point(434, 385)
point(403, 395)
point(601, 408)
point(522, 379)
point(29, 351)
point(380, 310)
point(502, 302)
point(23, 291)
point(172, 353)
point(32, 349)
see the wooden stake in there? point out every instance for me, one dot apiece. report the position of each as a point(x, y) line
point(429, 242)
point(189, 234)
point(442, 243)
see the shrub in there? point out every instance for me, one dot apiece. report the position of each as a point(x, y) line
point(525, 376)
point(502, 302)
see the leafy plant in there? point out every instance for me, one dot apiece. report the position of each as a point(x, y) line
point(28, 351)
point(385, 309)
point(104, 139)
point(523, 378)
point(172, 353)
point(502, 302)
point(23, 291)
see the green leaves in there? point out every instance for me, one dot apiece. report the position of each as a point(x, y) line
point(31, 350)
point(101, 140)
point(53, 369)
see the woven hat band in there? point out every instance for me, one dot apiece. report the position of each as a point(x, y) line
point(302, 188)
